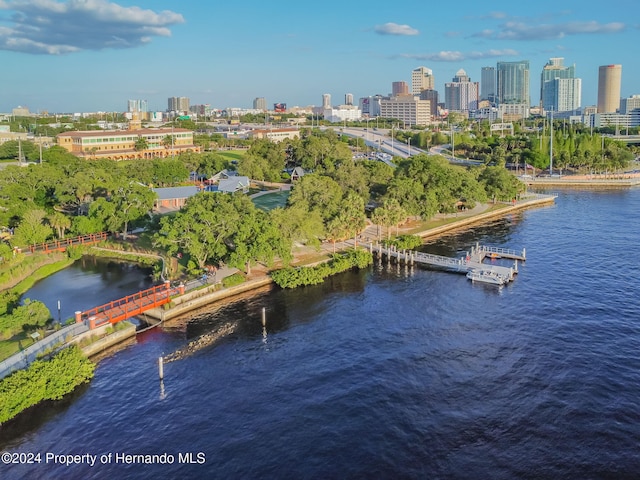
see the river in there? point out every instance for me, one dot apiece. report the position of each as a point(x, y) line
point(385, 373)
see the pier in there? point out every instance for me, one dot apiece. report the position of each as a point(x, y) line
point(473, 261)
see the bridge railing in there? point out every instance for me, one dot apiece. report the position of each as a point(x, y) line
point(68, 242)
point(157, 293)
point(437, 259)
point(29, 354)
point(500, 250)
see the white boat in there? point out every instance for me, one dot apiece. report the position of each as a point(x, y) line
point(487, 276)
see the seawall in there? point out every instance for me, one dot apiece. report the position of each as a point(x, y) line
point(483, 217)
point(197, 299)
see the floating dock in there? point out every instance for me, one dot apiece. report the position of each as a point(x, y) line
point(473, 261)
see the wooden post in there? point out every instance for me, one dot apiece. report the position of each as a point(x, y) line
point(160, 368)
point(264, 316)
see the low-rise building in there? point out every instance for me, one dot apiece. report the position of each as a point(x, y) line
point(406, 108)
point(126, 144)
point(275, 134)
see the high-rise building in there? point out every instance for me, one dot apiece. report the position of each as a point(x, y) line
point(399, 88)
point(259, 103)
point(488, 84)
point(137, 106)
point(432, 97)
point(461, 95)
point(422, 79)
point(348, 99)
point(560, 90)
point(178, 104)
point(609, 80)
point(326, 101)
point(512, 82)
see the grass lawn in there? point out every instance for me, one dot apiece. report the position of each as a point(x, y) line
point(232, 154)
point(12, 345)
point(423, 226)
point(271, 200)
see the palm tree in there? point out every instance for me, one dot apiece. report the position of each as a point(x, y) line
point(60, 222)
point(141, 144)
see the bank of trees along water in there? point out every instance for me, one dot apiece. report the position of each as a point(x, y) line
point(68, 196)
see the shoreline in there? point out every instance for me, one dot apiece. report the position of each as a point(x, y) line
point(200, 298)
point(584, 181)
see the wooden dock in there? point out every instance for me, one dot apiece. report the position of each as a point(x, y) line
point(473, 261)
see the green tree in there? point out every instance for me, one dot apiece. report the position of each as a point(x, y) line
point(297, 224)
point(257, 238)
point(389, 214)
point(315, 192)
point(201, 228)
point(128, 203)
point(169, 172)
point(60, 222)
point(499, 184)
point(31, 229)
point(141, 144)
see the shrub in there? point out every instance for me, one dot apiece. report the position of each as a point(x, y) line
point(44, 380)
point(404, 242)
point(233, 280)
point(295, 277)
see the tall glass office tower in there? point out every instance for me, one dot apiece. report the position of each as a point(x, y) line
point(488, 84)
point(513, 82)
point(560, 90)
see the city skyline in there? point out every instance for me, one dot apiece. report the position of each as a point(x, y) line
point(106, 53)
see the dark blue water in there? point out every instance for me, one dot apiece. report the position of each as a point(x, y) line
point(390, 373)
point(89, 282)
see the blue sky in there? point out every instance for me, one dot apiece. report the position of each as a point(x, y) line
point(94, 55)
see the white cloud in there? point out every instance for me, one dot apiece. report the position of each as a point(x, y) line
point(517, 30)
point(53, 27)
point(395, 29)
point(457, 56)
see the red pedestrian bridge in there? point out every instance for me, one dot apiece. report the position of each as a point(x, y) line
point(62, 245)
point(129, 306)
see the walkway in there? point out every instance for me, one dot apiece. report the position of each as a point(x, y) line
point(62, 245)
point(129, 306)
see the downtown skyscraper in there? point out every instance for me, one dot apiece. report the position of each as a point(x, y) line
point(422, 79)
point(488, 84)
point(560, 90)
point(461, 94)
point(609, 81)
point(512, 81)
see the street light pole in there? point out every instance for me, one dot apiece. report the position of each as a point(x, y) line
point(392, 140)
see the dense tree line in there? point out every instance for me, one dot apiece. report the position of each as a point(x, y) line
point(68, 196)
point(65, 195)
point(574, 147)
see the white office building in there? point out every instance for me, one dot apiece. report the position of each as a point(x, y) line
point(408, 109)
point(342, 113)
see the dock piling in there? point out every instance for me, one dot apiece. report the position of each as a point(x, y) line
point(160, 368)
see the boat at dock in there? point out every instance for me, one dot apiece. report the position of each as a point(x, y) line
point(487, 276)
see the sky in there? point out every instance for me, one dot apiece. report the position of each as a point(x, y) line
point(94, 55)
